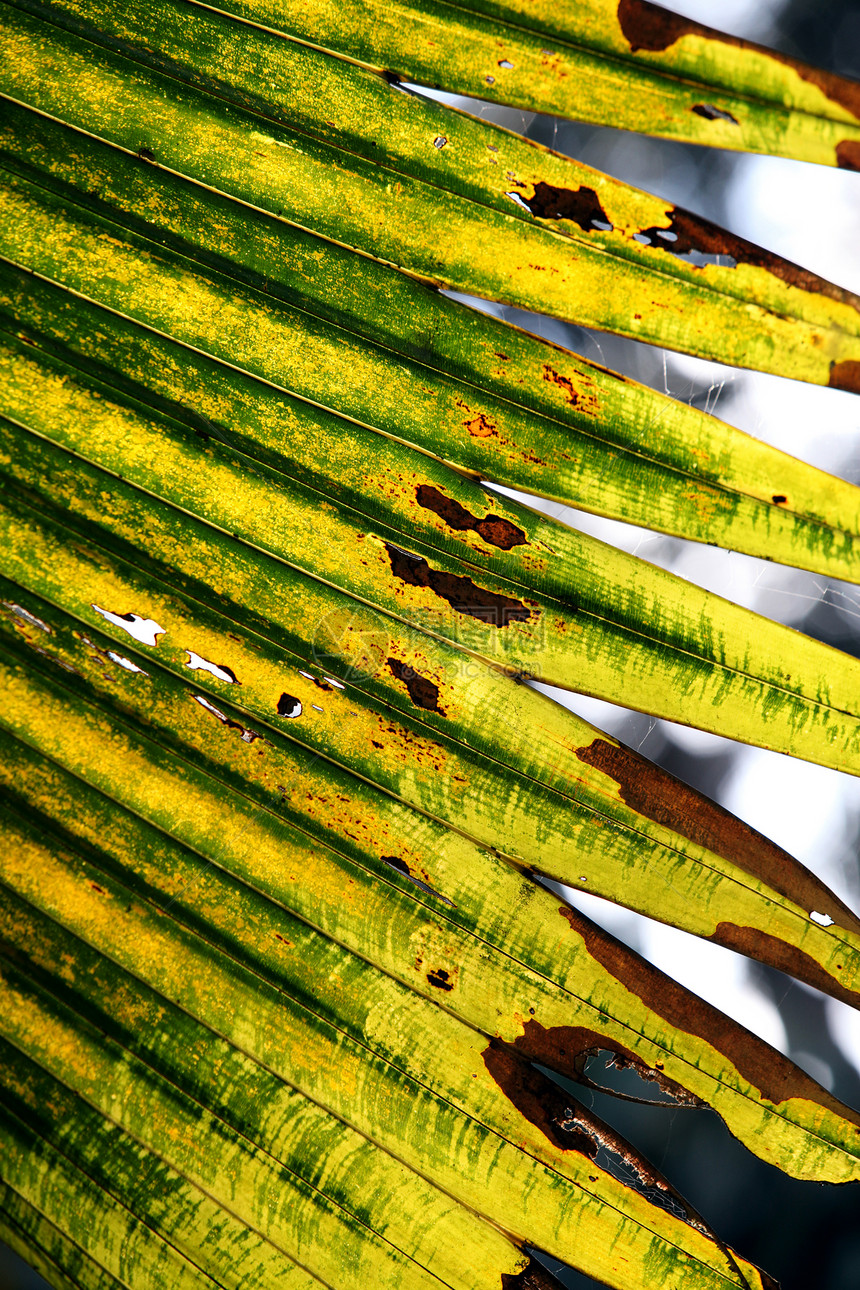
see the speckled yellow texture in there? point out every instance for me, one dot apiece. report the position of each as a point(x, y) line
point(277, 985)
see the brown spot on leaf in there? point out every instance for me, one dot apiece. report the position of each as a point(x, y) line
point(493, 529)
point(462, 594)
point(440, 978)
point(583, 396)
point(400, 866)
point(649, 27)
point(581, 205)
point(779, 499)
point(788, 958)
point(848, 154)
point(563, 382)
point(774, 1076)
point(422, 692)
point(395, 862)
point(668, 801)
point(845, 375)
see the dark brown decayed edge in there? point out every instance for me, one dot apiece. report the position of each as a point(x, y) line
point(566, 1123)
point(670, 802)
point(648, 26)
point(565, 1049)
point(694, 233)
point(562, 1118)
point(538, 1098)
point(774, 1076)
point(845, 376)
point(848, 154)
point(788, 958)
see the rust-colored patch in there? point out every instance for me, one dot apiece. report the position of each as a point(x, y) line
point(668, 801)
point(692, 234)
point(571, 394)
point(583, 397)
point(581, 205)
point(848, 154)
point(774, 1076)
point(649, 27)
point(422, 692)
point(462, 594)
point(845, 375)
point(788, 958)
point(478, 424)
point(440, 979)
point(493, 529)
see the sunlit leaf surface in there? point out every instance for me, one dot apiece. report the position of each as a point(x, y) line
point(282, 986)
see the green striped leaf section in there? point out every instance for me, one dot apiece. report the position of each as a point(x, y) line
point(137, 1219)
point(116, 1013)
point(592, 440)
point(623, 63)
point(26, 1231)
point(369, 1081)
point(617, 617)
point(749, 896)
point(57, 1137)
point(489, 239)
point(609, 997)
point(328, 1197)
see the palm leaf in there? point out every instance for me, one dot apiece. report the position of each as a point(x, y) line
point(464, 231)
point(625, 63)
point(282, 998)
